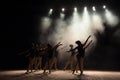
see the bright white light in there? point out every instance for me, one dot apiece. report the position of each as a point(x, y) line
point(111, 19)
point(86, 17)
point(63, 9)
point(62, 15)
point(85, 13)
point(104, 6)
point(97, 23)
point(85, 8)
point(75, 26)
point(93, 8)
point(50, 11)
point(75, 9)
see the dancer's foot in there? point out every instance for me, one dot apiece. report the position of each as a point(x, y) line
point(26, 72)
point(73, 71)
point(81, 73)
point(44, 72)
point(76, 71)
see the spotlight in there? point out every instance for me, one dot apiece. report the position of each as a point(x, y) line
point(75, 9)
point(63, 9)
point(104, 6)
point(85, 8)
point(112, 19)
point(50, 11)
point(93, 8)
point(86, 16)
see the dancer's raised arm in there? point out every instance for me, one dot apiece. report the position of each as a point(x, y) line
point(57, 45)
point(86, 40)
point(88, 44)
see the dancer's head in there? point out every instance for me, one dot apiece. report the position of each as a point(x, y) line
point(71, 45)
point(78, 42)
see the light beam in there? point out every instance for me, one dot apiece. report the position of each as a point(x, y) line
point(50, 11)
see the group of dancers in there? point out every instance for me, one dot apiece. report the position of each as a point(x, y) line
point(44, 56)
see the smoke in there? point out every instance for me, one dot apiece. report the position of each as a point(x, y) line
point(111, 19)
point(45, 23)
point(76, 27)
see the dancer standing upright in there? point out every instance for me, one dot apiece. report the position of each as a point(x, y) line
point(81, 53)
point(71, 59)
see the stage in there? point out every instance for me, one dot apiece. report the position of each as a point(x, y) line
point(59, 75)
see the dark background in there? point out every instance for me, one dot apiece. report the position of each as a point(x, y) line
point(19, 21)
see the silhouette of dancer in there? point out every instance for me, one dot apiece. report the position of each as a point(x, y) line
point(71, 59)
point(81, 53)
point(31, 58)
point(47, 57)
point(38, 57)
point(54, 56)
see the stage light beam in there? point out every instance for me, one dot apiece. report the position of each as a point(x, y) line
point(75, 9)
point(62, 15)
point(63, 9)
point(94, 9)
point(85, 8)
point(50, 11)
point(111, 18)
point(45, 23)
point(86, 17)
point(104, 6)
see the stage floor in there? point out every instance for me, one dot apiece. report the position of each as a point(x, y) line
point(59, 75)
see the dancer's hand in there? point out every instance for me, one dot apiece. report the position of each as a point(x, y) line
point(89, 36)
